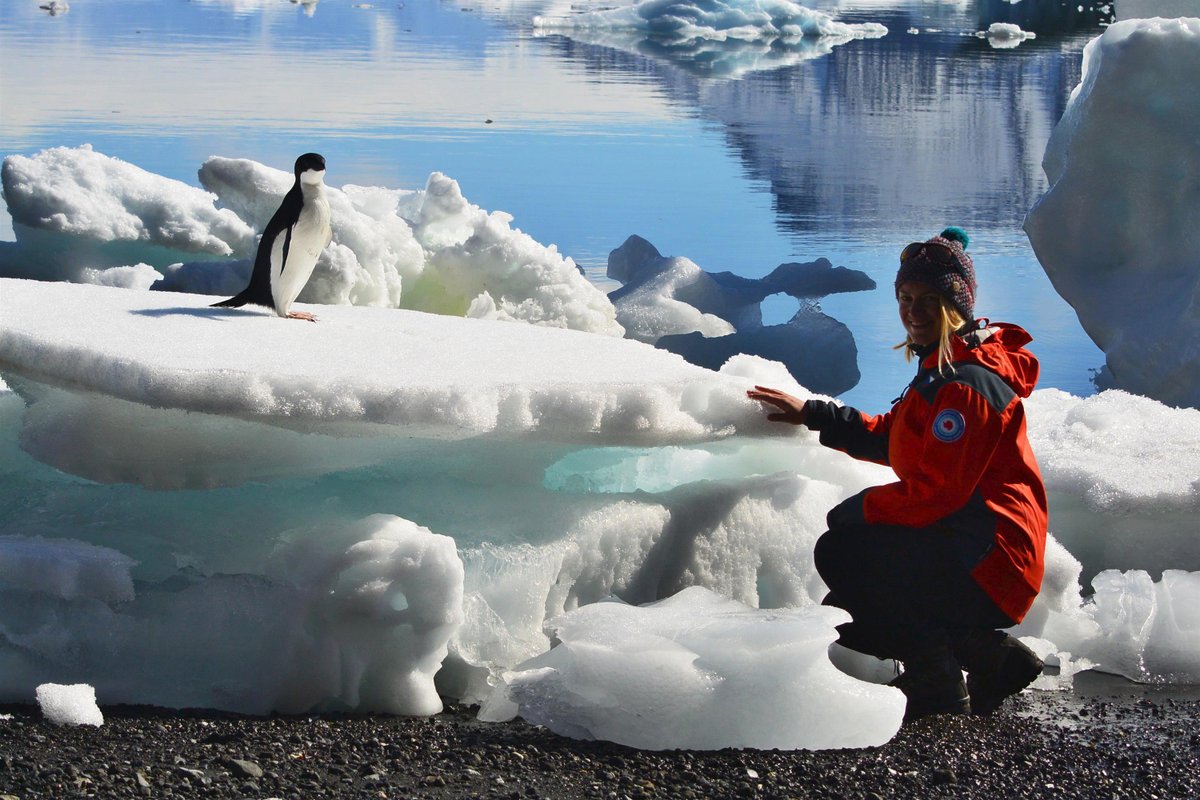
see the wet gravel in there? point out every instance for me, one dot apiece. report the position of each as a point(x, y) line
point(1091, 743)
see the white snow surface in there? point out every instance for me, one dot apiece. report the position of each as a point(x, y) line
point(258, 514)
point(79, 215)
point(1118, 231)
point(69, 705)
point(721, 38)
point(442, 376)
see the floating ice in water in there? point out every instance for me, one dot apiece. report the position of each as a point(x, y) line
point(69, 705)
point(77, 215)
point(659, 676)
point(710, 317)
point(1115, 230)
point(722, 38)
point(1004, 35)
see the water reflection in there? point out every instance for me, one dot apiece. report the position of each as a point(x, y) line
point(894, 132)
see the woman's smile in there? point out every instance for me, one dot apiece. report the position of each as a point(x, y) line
point(920, 312)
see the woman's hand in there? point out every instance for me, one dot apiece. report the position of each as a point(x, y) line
point(791, 409)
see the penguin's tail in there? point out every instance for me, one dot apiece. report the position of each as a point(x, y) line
point(234, 302)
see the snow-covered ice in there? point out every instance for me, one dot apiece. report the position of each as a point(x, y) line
point(78, 215)
point(1118, 231)
point(69, 705)
point(403, 490)
point(717, 38)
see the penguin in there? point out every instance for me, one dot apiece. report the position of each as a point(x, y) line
point(290, 244)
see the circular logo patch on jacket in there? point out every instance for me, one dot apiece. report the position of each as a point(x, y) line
point(949, 426)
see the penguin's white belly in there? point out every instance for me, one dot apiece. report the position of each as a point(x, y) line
point(310, 234)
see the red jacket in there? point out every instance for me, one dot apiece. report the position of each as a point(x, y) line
point(957, 444)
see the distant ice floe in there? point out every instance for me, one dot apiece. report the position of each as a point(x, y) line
point(710, 317)
point(718, 38)
point(82, 216)
point(1005, 35)
point(1117, 231)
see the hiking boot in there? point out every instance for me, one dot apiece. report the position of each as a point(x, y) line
point(933, 684)
point(998, 666)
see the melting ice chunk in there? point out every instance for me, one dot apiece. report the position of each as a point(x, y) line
point(69, 705)
point(658, 676)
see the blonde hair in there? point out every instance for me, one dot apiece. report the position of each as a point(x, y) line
point(950, 320)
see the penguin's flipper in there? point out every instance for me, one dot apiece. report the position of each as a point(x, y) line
point(287, 247)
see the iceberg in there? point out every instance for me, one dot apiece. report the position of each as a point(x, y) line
point(1116, 230)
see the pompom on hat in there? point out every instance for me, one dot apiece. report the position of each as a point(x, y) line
point(943, 263)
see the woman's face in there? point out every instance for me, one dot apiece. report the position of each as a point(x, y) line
point(920, 312)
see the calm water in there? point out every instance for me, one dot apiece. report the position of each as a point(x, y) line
point(846, 156)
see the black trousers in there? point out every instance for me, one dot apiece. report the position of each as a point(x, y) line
point(908, 590)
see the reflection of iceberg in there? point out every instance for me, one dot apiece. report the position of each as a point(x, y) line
point(710, 317)
point(713, 37)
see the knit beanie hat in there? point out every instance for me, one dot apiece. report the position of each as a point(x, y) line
point(947, 268)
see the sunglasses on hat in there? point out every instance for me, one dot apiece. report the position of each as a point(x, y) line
point(931, 251)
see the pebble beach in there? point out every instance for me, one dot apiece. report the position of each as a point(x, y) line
point(1105, 739)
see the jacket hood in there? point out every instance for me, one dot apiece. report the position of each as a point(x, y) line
point(1001, 349)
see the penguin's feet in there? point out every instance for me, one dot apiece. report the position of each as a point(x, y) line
point(302, 315)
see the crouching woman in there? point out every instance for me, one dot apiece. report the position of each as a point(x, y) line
point(933, 566)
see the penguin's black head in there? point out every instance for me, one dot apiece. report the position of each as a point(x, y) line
point(310, 161)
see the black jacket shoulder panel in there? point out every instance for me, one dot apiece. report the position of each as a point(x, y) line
point(994, 389)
